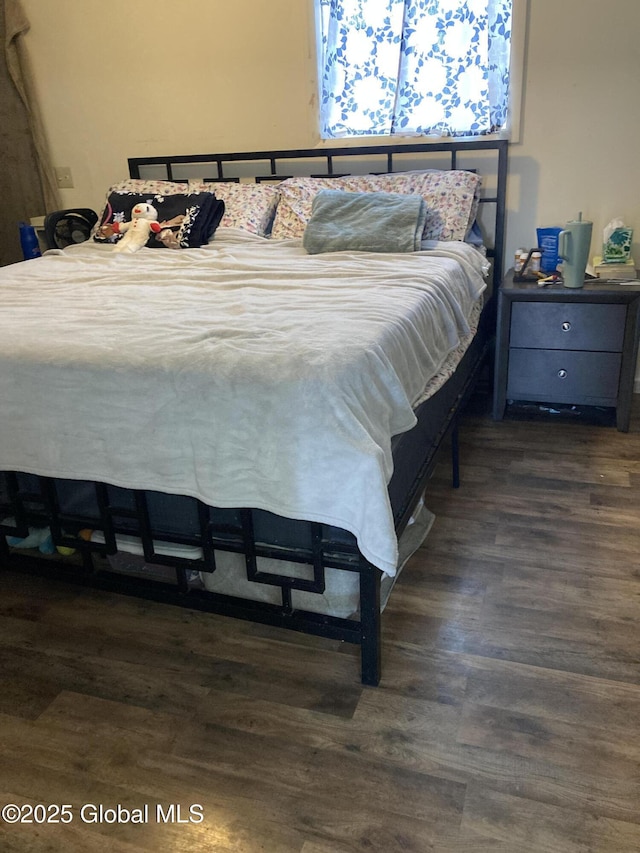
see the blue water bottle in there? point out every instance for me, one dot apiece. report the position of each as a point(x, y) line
point(29, 241)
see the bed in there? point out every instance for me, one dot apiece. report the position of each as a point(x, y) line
point(247, 425)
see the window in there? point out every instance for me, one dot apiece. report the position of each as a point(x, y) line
point(413, 67)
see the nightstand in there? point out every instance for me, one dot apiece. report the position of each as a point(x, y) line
point(562, 345)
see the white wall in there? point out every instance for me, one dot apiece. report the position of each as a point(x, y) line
point(580, 123)
point(119, 80)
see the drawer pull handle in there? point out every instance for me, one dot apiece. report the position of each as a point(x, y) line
point(566, 327)
point(562, 374)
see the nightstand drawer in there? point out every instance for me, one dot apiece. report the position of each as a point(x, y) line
point(556, 376)
point(568, 325)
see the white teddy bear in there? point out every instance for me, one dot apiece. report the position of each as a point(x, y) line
point(136, 232)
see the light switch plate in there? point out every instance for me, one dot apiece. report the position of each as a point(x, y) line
point(64, 178)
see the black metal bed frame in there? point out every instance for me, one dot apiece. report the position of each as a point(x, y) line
point(41, 501)
point(176, 167)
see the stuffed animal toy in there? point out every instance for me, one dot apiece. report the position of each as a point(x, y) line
point(38, 537)
point(136, 232)
point(168, 234)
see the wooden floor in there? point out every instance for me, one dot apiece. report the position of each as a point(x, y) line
point(507, 720)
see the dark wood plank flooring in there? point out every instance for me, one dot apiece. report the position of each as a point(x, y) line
point(507, 719)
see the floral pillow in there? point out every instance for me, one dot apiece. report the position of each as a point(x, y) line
point(247, 206)
point(451, 197)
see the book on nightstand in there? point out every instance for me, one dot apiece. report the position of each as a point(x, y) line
point(614, 271)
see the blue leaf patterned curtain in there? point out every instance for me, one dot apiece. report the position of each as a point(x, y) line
point(423, 67)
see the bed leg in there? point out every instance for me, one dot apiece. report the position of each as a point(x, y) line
point(455, 457)
point(370, 622)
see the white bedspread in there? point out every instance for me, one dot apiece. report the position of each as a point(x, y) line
point(246, 373)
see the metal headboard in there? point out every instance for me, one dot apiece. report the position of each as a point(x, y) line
point(273, 166)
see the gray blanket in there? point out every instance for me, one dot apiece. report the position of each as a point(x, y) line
point(365, 222)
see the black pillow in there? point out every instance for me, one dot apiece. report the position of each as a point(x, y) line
point(188, 220)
